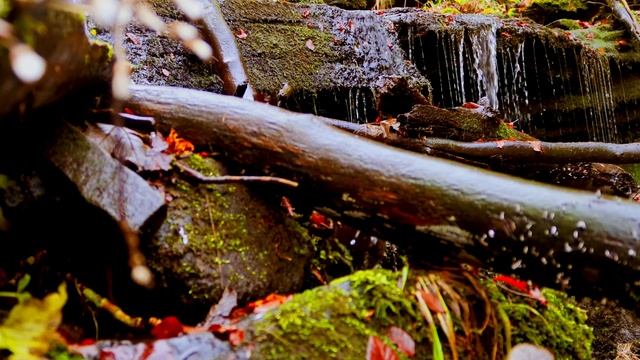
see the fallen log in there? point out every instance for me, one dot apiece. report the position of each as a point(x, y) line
point(359, 179)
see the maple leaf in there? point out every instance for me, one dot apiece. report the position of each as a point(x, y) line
point(241, 34)
point(309, 45)
point(31, 326)
point(378, 350)
point(403, 340)
point(178, 145)
point(169, 327)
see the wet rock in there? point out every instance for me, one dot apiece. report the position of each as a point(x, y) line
point(161, 60)
point(218, 236)
point(103, 181)
point(330, 59)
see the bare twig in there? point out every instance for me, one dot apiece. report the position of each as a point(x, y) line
point(230, 179)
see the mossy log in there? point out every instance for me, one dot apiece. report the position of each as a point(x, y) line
point(70, 63)
point(358, 180)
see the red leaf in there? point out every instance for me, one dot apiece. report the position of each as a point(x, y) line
point(470, 105)
point(536, 146)
point(378, 350)
point(432, 301)
point(241, 34)
point(169, 327)
point(236, 337)
point(403, 340)
point(310, 45)
point(318, 220)
point(513, 282)
point(584, 24)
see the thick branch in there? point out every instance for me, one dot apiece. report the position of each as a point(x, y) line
point(361, 179)
point(535, 151)
point(227, 55)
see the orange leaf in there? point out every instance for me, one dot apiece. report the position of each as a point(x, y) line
point(432, 301)
point(178, 145)
point(536, 145)
point(236, 337)
point(378, 350)
point(169, 327)
point(470, 105)
point(241, 34)
point(310, 45)
point(403, 340)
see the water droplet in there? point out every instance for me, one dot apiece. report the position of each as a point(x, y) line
point(525, 250)
point(575, 234)
point(567, 247)
point(554, 230)
point(352, 242)
point(581, 225)
point(516, 264)
point(491, 233)
point(543, 260)
point(632, 252)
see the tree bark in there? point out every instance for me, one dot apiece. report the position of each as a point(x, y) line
point(360, 180)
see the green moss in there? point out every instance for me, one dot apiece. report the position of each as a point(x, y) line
point(345, 4)
point(634, 170)
point(560, 5)
point(204, 166)
point(559, 326)
point(276, 48)
point(335, 321)
point(505, 132)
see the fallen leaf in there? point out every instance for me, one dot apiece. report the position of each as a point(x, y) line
point(432, 301)
point(127, 146)
point(403, 340)
point(584, 24)
point(310, 45)
point(318, 220)
point(378, 350)
point(517, 284)
point(499, 144)
point(241, 34)
point(169, 327)
point(178, 145)
point(31, 325)
point(536, 146)
point(134, 38)
point(470, 105)
point(222, 309)
point(236, 337)
point(165, 72)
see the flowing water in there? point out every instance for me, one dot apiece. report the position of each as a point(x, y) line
point(544, 88)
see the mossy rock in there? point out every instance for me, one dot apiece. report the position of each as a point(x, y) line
point(336, 321)
point(216, 236)
point(311, 58)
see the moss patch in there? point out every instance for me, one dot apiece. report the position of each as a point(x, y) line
point(559, 326)
point(279, 47)
point(5, 7)
point(335, 321)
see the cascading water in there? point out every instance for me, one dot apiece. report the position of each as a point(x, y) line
point(547, 88)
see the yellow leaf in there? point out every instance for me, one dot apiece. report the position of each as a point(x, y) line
point(31, 326)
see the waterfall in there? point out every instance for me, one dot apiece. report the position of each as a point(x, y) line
point(551, 89)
